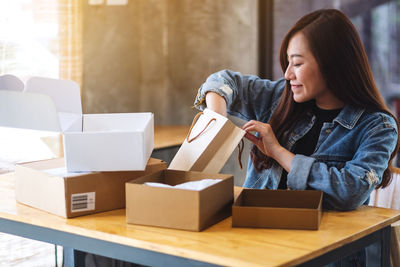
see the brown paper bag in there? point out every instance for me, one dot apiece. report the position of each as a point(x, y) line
point(210, 142)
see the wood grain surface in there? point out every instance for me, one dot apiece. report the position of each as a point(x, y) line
point(169, 135)
point(219, 244)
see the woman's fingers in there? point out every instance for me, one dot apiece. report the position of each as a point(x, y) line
point(265, 140)
point(249, 123)
point(254, 139)
point(261, 128)
point(257, 141)
point(250, 126)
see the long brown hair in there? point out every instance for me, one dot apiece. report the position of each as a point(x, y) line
point(338, 50)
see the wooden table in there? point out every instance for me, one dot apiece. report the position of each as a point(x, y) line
point(107, 234)
point(167, 140)
point(169, 135)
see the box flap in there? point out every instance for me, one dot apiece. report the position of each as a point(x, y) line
point(28, 111)
point(65, 93)
point(66, 96)
point(45, 104)
point(70, 122)
point(11, 83)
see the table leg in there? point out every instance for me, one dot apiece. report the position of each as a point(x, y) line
point(385, 246)
point(74, 258)
point(382, 236)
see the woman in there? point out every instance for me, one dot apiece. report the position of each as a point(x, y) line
point(324, 126)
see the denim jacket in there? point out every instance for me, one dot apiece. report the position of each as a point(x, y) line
point(351, 154)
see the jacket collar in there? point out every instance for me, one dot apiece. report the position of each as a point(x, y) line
point(349, 116)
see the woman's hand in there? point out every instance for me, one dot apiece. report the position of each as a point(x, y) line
point(267, 143)
point(216, 103)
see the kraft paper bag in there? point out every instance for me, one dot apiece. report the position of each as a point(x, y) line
point(210, 142)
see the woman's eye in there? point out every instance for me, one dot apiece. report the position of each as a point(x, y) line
point(297, 65)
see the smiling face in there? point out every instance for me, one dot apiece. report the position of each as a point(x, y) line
point(305, 77)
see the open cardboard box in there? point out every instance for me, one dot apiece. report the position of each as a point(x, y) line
point(286, 209)
point(46, 185)
point(178, 208)
point(92, 142)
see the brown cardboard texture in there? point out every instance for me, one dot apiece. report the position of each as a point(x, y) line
point(286, 209)
point(178, 208)
point(209, 144)
point(80, 194)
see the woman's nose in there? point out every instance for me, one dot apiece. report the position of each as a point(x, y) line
point(289, 73)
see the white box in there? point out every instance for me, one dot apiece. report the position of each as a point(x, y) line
point(92, 142)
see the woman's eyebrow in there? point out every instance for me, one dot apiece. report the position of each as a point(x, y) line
point(295, 55)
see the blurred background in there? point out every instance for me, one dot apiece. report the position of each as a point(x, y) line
point(153, 55)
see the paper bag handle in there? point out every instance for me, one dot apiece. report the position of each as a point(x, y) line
point(240, 147)
point(189, 140)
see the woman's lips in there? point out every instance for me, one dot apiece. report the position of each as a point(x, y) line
point(295, 86)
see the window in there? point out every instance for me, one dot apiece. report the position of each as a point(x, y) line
point(41, 38)
point(37, 38)
point(379, 28)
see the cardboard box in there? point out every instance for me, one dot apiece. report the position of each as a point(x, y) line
point(178, 208)
point(46, 185)
point(92, 142)
point(286, 209)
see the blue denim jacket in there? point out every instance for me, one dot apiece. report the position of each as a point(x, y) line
point(351, 154)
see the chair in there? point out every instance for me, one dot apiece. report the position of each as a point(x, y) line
point(389, 197)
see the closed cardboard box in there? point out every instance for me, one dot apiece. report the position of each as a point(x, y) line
point(47, 185)
point(178, 208)
point(286, 209)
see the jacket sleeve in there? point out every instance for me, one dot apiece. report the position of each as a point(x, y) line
point(247, 96)
point(349, 187)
